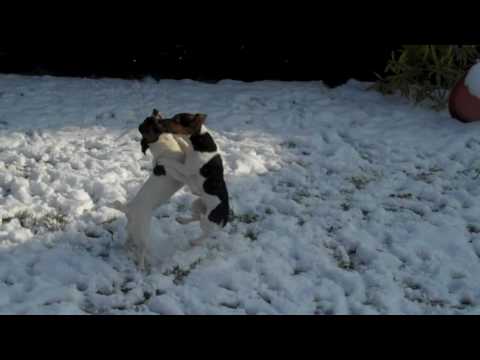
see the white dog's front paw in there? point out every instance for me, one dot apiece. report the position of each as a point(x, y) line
point(143, 263)
point(184, 220)
point(198, 241)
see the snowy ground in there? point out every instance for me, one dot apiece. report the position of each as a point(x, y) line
point(345, 202)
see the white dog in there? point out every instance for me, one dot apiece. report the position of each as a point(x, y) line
point(157, 190)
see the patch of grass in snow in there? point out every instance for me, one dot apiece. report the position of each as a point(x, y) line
point(345, 206)
point(422, 298)
point(322, 307)
point(233, 305)
point(265, 297)
point(299, 270)
point(290, 144)
point(300, 195)
point(392, 208)
point(286, 183)
point(8, 281)
point(439, 208)
point(365, 156)
point(247, 218)
point(108, 114)
point(344, 260)
point(179, 273)
point(477, 173)
point(473, 229)
point(333, 229)
point(466, 301)
point(50, 222)
point(346, 264)
point(360, 182)
point(106, 291)
point(402, 196)
point(89, 308)
point(143, 300)
point(415, 293)
point(93, 234)
point(474, 173)
point(395, 208)
point(365, 215)
point(301, 163)
point(417, 212)
point(435, 170)
point(411, 284)
point(346, 192)
point(427, 176)
point(252, 235)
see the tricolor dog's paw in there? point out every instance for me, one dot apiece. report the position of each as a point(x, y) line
point(198, 241)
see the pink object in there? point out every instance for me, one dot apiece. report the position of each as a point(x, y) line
point(462, 105)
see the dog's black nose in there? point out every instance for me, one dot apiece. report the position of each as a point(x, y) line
point(140, 128)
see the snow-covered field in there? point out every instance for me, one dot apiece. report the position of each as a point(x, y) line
point(345, 202)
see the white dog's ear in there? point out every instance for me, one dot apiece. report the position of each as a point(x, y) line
point(156, 114)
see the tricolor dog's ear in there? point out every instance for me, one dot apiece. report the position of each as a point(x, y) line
point(156, 114)
point(199, 120)
point(200, 117)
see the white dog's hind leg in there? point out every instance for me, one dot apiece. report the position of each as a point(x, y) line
point(198, 209)
point(142, 254)
point(208, 229)
point(139, 219)
point(156, 191)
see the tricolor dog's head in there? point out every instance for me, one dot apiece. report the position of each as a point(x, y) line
point(184, 124)
point(151, 129)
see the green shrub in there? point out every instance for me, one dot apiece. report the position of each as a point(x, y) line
point(427, 72)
